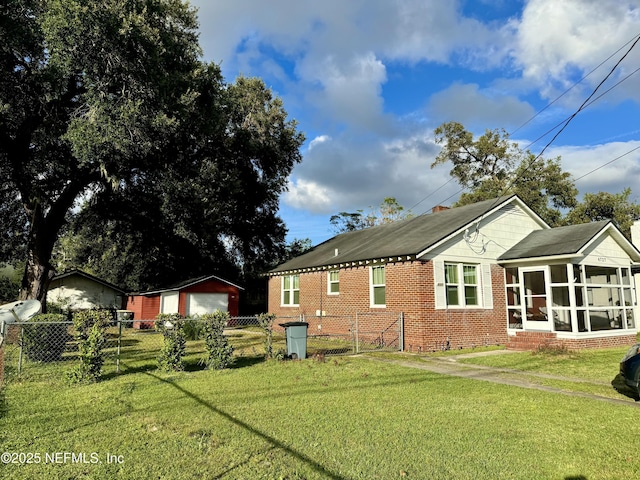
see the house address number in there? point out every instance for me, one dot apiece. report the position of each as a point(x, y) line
point(602, 259)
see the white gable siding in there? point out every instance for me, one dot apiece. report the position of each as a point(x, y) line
point(605, 250)
point(497, 234)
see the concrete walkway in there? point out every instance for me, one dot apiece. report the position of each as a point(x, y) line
point(450, 366)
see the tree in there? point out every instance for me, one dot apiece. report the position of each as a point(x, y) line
point(606, 206)
point(107, 115)
point(491, 166)
point(389, 211)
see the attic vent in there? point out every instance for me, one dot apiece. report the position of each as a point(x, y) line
point(335, 252)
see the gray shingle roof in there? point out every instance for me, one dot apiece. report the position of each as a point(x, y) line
point(401, 238)
point(555, 241)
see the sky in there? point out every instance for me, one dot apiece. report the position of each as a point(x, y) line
point(368, 81)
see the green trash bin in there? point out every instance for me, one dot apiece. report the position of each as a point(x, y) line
point(296, 333)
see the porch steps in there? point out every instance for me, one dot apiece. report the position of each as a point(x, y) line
point(531, 340)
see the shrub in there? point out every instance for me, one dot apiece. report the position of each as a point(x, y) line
point(193, 328)
point(91, 327)
point(219, 350)
point(266, 322)
point(44, 337)
point(173, 342)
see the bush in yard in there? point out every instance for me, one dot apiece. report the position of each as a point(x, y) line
point(44, 337)
point(91, 327)
point(193, 328)
point(173, 342)
point(266, 322)
point(219, 350)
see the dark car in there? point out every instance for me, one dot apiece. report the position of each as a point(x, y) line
point(630, 368)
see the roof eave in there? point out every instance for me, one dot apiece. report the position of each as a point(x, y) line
point(542, 258)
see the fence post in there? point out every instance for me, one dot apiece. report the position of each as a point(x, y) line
point(20, 356)
point(401, 331)
point(119, 343)
point(357, 335)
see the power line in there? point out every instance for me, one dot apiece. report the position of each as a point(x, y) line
point(575, 84)
point(566, 121)
point(608, 163)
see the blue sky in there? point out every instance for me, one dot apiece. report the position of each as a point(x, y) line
point(369, 80)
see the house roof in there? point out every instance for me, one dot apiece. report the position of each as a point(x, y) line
point(88, 276)
point(566, 241)
point(188, 283)
point(401, 240)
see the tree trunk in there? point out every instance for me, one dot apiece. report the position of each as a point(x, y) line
point(38, 270)
point(35, 281)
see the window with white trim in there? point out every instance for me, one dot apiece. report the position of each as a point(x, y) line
point(378, 287)
point(291, 290)
point(462, 285)
point(333, 282)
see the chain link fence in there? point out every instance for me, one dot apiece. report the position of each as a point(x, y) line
point(32, 349)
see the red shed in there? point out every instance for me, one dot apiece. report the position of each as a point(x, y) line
point(192, 297)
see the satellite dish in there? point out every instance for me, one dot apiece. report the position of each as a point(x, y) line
point(20, 311)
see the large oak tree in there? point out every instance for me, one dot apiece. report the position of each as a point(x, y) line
point(491, 165)
point(108, 114)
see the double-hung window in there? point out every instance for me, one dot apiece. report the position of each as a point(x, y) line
point(462, 284)
point(291, 290)
point(378, 287)
point(334, 282)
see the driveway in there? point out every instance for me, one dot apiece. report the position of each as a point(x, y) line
point(450, 366)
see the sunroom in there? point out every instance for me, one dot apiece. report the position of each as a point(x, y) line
point(575, 281)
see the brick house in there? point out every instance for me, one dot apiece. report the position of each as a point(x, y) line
point(191, 297)
point(489, 273)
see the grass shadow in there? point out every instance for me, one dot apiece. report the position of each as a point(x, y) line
point(253, 430)
point(622, 388)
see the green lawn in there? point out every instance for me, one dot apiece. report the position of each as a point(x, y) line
point(343, 418)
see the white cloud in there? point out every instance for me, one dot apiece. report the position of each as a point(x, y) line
point(610, 167)
point(471, 106)
point(559, 42)
point(349, 173)
point(307, 194)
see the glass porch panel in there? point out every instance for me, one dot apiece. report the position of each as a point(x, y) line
point(601, 275)
point(512, 275)
point(560, 296)
point(535, 296)
point(515, 318)
point(631, 321)
point(559, 274)
point(582, 321)
point(603, 296)
point(610, 319)
point(534, 283)
point(562, 320)
point(513, 296)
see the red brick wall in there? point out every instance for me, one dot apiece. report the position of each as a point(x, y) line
point(533, 340)
point(409, 290)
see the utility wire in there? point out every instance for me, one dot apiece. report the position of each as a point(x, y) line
point(572, 86)
point(566, 123)
point(567, 120)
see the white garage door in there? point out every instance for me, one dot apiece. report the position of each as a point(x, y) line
point(199, 303)
point(169, 302)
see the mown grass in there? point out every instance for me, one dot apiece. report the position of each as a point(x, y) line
point(342, 418)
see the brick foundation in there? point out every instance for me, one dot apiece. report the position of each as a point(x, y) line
point(535, 340)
